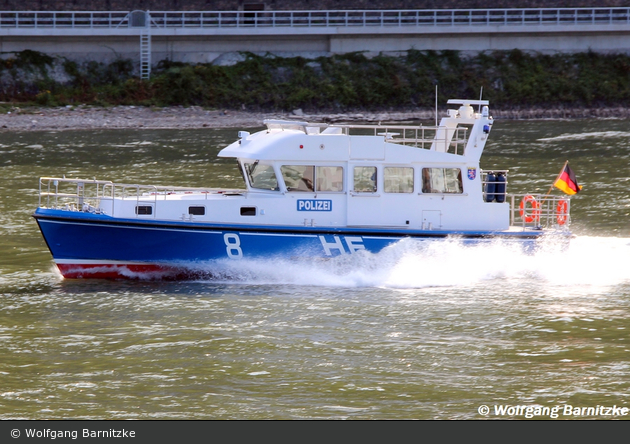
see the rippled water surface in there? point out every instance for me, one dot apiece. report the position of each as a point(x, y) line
point(405, 334)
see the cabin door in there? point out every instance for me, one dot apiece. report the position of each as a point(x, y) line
point(364, 195)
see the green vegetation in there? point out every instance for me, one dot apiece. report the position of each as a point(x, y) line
point(510, 79)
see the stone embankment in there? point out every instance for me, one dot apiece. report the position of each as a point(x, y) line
point(87, 117)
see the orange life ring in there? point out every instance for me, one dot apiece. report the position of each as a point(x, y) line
point(562, 212)
point(535, 213)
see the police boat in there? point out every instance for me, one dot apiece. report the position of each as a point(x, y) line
point(311, 190)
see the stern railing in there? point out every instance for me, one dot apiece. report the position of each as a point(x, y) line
point(539, 211)
point(526, 210)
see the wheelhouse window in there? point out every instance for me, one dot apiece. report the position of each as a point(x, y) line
point(311, 178)
point(261, 176)
point(398, 180)
point(298, 177)
point(365, 179)
point(442, 180)
point(329, 178)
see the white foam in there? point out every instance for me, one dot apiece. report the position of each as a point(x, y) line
point(591, 135)
point(588, 261)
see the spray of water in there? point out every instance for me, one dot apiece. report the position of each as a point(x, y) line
point(588, 261)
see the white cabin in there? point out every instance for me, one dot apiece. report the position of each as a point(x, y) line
point(416, 177)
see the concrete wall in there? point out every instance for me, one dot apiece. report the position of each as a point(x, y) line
point(542, 42)
point(205, 48)
point(209, 50)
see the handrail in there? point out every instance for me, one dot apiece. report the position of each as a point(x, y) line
point(527, 210)
point(319, 18)
point(63, 19)
point(410, 135)
point(91, 195)
point(541, 211)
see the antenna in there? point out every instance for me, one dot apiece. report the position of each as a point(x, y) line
point(480, 96)
point(436, 104)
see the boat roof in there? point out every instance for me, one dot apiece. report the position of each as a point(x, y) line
point(293, 140)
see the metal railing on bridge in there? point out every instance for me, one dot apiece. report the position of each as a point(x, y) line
point(71, 19)
point(316, 19)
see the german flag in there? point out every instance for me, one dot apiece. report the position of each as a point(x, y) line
point(566, 181)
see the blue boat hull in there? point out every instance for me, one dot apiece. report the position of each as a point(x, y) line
point(99, 246)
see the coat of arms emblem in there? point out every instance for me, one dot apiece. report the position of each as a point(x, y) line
point(472, 173)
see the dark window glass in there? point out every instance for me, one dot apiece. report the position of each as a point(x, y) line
point(144, 209)
point(197, 211)
point(248, 211)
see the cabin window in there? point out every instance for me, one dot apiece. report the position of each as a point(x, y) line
point(261, 176)
point(240, 170)
point(365, 179)
point(248, 211)
point(144, 209)
point(329, 178)
point(197, 211)
point(298, 177)
point(442, 180)
point(398, 180)
point(310, 178)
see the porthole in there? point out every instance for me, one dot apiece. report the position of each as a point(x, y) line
point(197, 211)
point(144, 210)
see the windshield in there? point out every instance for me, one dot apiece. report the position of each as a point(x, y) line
point(261, 176)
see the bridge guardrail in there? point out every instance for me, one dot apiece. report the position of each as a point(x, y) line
point(319, 18)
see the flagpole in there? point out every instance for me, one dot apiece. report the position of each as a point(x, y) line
point(554, 182)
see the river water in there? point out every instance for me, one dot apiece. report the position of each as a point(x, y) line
point(398, 335)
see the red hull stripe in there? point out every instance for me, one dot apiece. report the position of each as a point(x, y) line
point(121, 271)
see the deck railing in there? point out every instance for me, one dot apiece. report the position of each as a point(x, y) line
point(539, 211)
point(98, 196)
point(418, 136)
point(316, 19)
point(526, 210)
point(452, 140)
